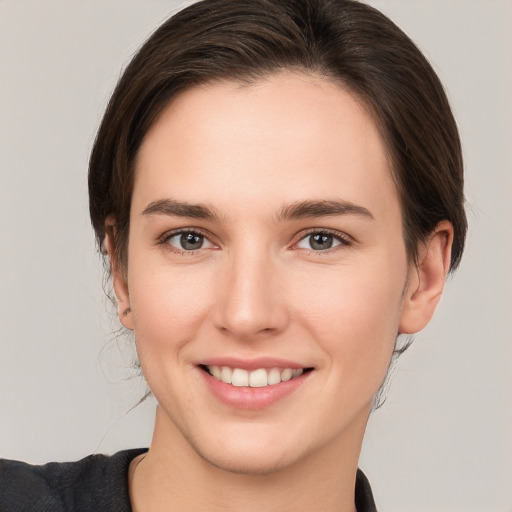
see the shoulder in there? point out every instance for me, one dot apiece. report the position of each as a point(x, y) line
point(363, 496)
point(97, 482)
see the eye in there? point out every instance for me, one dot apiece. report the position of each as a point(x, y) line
point(188, 241)
point(321, 241)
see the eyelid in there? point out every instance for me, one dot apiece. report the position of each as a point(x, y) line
point(164, 238)
point(344, 239)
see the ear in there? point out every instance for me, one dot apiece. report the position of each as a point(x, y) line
point(124, 311)
point(427, 279)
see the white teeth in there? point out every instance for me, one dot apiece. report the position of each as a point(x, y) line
point(274, 376)
point(225, 374)
point(257, 378)
point(240, 377)
point(216, 371)
point(286, 374)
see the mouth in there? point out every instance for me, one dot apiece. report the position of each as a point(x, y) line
point(257, 378)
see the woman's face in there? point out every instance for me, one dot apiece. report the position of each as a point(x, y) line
point(266, 239)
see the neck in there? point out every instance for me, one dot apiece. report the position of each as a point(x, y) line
point(173, 477)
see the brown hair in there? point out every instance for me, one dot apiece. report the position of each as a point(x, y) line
point(344, 41)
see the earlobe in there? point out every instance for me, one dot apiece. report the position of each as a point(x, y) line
point(427, 280)
point(124, 311)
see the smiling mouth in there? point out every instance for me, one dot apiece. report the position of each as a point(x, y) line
point(259, 378)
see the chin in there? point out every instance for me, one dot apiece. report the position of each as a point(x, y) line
point(248, 464)
point(248, 454)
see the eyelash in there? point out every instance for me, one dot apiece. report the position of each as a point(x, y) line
point(164, 240)
point(343, 239)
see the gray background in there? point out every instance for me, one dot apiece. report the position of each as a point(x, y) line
point(443, 440)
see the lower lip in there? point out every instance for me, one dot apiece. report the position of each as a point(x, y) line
point(252, 398)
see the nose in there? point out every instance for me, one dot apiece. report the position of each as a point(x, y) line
point(252, 298)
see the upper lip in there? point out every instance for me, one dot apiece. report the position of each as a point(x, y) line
point(251, 364)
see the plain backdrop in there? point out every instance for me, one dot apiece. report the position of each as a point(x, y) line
point(443, 440)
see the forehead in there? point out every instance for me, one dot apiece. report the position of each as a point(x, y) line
point(285, 138)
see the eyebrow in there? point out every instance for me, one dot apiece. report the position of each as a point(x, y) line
point(293, 211)
point(180, 209)
point(321, 208)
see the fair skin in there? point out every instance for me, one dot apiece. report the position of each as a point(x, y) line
point(259, 279)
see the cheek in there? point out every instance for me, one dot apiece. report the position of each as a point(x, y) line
point(355, 319)
point(168, 307)
point(168, 311)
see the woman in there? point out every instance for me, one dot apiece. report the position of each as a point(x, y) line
point(279, 197)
